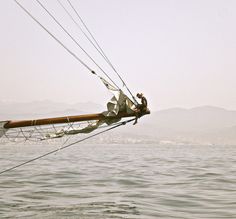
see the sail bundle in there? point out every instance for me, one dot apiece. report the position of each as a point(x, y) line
point(37, 130)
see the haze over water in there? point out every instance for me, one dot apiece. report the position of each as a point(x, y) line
point(119, 181)
point(178, 53)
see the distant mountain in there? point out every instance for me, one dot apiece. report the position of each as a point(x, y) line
point(37, 109)
point(206, 124)
point(199, 125)
point(197, 119)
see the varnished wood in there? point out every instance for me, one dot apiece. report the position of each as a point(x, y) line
point(66, 119)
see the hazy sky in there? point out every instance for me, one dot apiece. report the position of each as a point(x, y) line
point(179, 53)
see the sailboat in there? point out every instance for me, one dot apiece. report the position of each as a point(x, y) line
point(121, 109)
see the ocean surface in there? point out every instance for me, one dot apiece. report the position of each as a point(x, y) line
point(119, 181)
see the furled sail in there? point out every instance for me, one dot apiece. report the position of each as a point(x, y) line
point(119, 102)
point(120, 106)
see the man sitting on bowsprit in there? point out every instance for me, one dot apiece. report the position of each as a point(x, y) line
point(140, 108)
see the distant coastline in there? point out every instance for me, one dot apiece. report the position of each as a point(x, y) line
point(206, 125)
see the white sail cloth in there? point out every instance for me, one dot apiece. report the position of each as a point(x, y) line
point(118, 103)
point(73, 131)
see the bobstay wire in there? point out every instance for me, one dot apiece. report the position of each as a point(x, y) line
point(114, 126)
point(90, 37)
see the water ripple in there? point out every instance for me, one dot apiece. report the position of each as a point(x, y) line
point(120, 181)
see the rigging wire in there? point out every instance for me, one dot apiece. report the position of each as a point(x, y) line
point(66, 146)
point(72, 53)
point(104, 55)
point(53, 36)
point(90, 33)
point(75, 41)
point(84, 33)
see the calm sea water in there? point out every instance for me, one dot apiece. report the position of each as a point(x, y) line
point(119, 181)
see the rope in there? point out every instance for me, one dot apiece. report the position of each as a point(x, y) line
point(102, 51)
point(90, 33)
point(66, 146)
point(84, 33)
point(75, 41)
point(68, 50)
